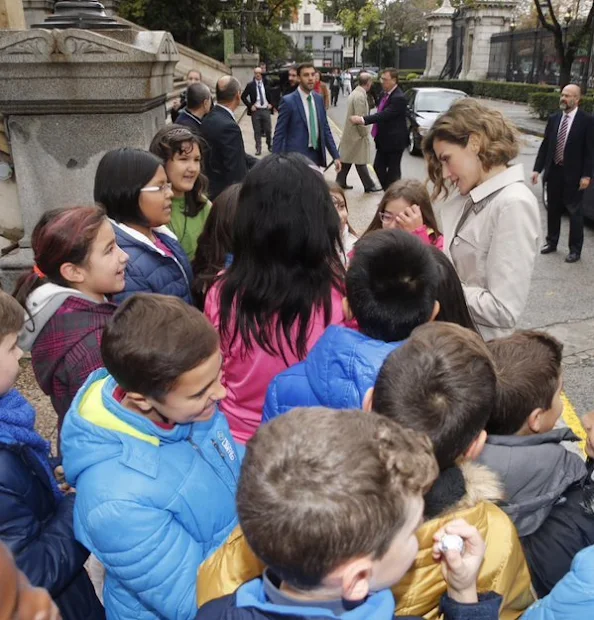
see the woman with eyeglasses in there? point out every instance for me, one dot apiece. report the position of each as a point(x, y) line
point(132, 186)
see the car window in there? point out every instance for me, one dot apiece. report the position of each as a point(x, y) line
point(435, 101)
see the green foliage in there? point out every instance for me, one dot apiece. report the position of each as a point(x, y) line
point(199, 23)
point(545, 104)
point(412, 76)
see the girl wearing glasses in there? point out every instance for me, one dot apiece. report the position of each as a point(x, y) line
point(132, 186)
point(181, 153)
point(406, 205)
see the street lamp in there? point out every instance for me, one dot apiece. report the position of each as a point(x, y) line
point(243, 13)
point(381, 26)
point(566, 20)
point(512, 27)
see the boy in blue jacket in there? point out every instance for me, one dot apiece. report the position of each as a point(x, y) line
point(334, 514)
point(391, 288)
point(153, 461)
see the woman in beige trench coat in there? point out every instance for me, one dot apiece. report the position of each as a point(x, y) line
point(492, 237)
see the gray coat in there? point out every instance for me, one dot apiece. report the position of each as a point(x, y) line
point(535, 470)
point(355, 145)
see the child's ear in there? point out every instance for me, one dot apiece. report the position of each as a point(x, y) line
point(72, 273)
point(368, 401)
point(346, 309)
point(476, 447)
point(139, 401)
point(356, 577)
point(534, 421)
point(436, 309)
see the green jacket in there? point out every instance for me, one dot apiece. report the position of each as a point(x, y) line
point(187, 229)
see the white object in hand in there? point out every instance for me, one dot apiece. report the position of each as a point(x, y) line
point(451, 542)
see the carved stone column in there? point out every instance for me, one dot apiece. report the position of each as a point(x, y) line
point(483, 18)
point(440, 30)
point(68, 97)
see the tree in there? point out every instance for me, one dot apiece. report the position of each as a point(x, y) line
point(199, 23)
point(354, 16)
point(567, 41)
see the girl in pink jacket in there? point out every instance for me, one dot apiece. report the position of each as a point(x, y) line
point(284, 286)
point(406, 205)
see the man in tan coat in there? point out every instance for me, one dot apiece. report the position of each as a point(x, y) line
point(355, 145)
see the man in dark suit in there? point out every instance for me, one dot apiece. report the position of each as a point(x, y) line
point(258, 100)
point(302, 125)
point(566, 156)
point(226, 161)
point(389, 131)
point(199, 103)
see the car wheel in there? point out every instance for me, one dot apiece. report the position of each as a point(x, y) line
point(413, 146)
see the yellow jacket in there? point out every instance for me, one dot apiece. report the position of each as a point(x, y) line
point(504, 569)
point(229, 567)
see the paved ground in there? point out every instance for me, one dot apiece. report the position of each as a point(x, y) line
point(561, 297)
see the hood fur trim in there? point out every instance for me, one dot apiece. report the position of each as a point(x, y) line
point(482, 485)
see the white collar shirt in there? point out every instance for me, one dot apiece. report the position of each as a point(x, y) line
point(261, 101)
point(304, 100)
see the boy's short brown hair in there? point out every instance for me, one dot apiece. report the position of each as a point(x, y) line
point(12, 316)
point(528, 366)
point(320, 487)
point(441, 381)
point(152, 340)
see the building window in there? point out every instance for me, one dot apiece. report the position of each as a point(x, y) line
point(286, 25)
point(328, 19)
point(327, 42)
point(308, 43)
point(348, 42)
point(307, 19)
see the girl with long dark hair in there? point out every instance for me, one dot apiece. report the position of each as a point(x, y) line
point(284, 286)
point(214, 251)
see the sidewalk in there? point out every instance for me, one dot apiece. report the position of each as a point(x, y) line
point(519, 114)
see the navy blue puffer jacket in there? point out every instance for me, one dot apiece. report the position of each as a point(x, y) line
point(40, 533)
point(150, 270)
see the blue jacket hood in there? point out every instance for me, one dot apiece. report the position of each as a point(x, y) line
point(85, 443)
point(337, 373)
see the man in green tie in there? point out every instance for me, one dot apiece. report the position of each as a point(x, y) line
point(302, 125)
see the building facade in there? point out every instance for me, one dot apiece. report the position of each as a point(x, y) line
point(318, 34)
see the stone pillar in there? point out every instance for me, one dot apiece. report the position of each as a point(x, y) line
point(68, 97)
point(440, 30)
point(243, 65)
point(111, 6)
point(37, 10)
point(483, 19)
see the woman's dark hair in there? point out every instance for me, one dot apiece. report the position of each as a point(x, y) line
point(415, 193)
point(177, 140)
point(286, 257)
point(60, 236)
point(215, 243)
point(452, 302)
point(120, 176)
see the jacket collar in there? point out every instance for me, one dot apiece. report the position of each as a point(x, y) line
point(131, 232)
point(252, 594)
point(513, 174)
point(461, 487)
point(555, 436)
